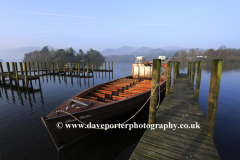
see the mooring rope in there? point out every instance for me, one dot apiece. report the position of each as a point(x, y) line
point(157, 84)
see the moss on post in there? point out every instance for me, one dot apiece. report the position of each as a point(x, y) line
point(29, 68)
point(198, 80)
point(154, 92)
point(174, 72)
point(216, 73)
point(169, 68)
point(193, 73)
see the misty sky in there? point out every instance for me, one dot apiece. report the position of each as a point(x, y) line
point(102, 24)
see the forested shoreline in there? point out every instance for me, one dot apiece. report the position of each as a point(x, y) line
point(63, 55)
point(227, 54)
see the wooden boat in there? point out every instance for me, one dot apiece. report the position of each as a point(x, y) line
point(105, 103)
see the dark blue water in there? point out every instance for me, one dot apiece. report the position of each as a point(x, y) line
point(23, 135)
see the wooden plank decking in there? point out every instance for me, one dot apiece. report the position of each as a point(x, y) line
point(179, 107)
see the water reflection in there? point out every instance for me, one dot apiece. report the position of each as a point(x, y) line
point(227, 66)
point(22, 91)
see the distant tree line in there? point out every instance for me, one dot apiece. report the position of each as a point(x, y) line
point(227, 54)
point(63, 55)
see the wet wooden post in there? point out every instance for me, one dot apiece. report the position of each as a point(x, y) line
point(64, 68)
point(33, 68)
point(193, 73)
point(21, 68)
point(3, 78)
point(216, 73)
point(169, 69)
point(49, 66)
point(83, 68)
point(41, 67)
point(87, 68)
point(190, 70)
point(70, 67)
point(16, 69)
point(38, 68)
point(198, 80)
point(8, 70)
point(108, 66)
point(58, 67)
point(29, 69)
point(174, 72)
point(105, 66)
point(53, 67)
point(25, 73)
point(45, 65)
point(178, 67)
point(154, 92)
point(13, 67)
point(112, 66)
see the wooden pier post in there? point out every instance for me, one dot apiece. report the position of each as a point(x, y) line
point(53, 67)
point(193, 73)
point(109, 66)
point(154, 92)
point(169, 68)
point(112, 66)
point(95, 66)
point(174, 72)
point(87, 68)
point(49, 66)
point(1, 69)
point(29, 69)
point(21, 68)
point(58, 67)
point(33, 68)
point(38, 68)
point(64, 68)
point(25, 73)
point(83, 68)
point(70, 66)
point(16, 70)
point(216, 73)
point(8, 70)
point(198, 80)
point(78, 67)
point(105, 66)
point(92, 66)
point(41, 67)
point(188, 70)
point(178, 68)
point(13, 67)
point(45, 64)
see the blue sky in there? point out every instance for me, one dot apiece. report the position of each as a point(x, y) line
point(112, 24)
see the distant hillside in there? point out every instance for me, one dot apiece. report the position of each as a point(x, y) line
point(171, 47)
point(16, 54)
point(120, 51)
point(144, 49)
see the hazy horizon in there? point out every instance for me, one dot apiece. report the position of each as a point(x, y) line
point(103, 24)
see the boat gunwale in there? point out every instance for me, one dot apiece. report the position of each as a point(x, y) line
point(107, 104)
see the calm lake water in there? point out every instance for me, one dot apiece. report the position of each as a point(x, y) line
point(24, 136)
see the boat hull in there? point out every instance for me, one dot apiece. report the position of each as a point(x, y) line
point(111, 113)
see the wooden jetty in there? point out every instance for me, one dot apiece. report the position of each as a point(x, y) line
point(33, 70)
point(179, 107)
